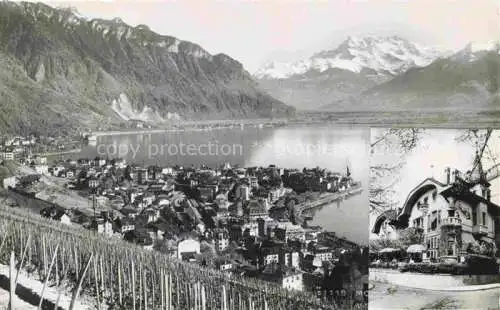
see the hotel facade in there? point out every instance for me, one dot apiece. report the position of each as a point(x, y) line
point(453, 215)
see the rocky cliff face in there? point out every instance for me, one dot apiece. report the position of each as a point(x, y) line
point(60, 70)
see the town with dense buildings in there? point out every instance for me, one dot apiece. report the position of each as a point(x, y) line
point(249, 221)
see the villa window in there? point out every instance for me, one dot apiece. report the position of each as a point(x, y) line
point(451, 213)
point(451, 247)
point(434, 225)
point(434, 195)
point(425, 200)
point(484, 218)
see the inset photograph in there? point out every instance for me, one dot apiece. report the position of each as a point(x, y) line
point(434, 219)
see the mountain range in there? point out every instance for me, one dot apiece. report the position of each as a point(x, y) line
point(386, 73)
point(59, 70)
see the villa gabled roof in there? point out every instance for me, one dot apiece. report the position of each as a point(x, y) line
point(390, 215)
point(415, 194)
point(459, 189)
point(467, 196)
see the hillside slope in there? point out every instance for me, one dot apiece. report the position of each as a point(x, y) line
point(60, 70)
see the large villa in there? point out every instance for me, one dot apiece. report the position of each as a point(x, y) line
point(453, 215)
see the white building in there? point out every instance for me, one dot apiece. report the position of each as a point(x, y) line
point(40, 160)
point(56, 170)
point(243, 192)
point(221, 239)
point(323, 254)
point(188, 246)
point(7, 155)
point(103, 226)
point(252, 228)
point(167, 171)
point(452, 215)
point(253, 182)
point(9, 182)
point(42, 169)
point(291, 259)
point(286, 277)
point(288, 231)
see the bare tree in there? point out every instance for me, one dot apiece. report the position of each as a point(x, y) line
point(402, 142)
point(382, 176)
point(485, 156)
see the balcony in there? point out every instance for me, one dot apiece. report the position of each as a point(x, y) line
point(451, 221)
point(480, 230)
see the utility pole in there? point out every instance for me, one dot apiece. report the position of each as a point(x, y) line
point(93, 184)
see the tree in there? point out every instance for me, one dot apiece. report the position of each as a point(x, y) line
point(411, 235)
point(382, 176)
point(402, 142)
point(376, 245)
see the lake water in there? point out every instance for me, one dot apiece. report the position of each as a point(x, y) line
point(326, 146)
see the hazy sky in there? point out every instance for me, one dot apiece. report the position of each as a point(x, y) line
point(255, 31)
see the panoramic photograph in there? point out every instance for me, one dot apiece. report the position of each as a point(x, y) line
point(434, 219)
point(140, 171)
point(234, 154)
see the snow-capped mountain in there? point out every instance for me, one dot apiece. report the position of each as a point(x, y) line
point(468, 79)
point(354, 66)
point(385, 55)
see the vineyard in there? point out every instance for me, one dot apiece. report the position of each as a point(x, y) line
point(119, 275)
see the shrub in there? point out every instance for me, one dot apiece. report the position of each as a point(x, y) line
point(481, 264)
point(473, 265)
point(460, 269)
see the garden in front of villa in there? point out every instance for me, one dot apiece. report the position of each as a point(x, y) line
point(408, 254)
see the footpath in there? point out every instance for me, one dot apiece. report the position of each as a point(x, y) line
point(434, 282)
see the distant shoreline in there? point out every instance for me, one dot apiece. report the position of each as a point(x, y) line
point(72, 151)
point(129, 132)
point(206, 126)
point(196, 126)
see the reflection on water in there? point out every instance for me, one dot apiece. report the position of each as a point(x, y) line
point(325, 146)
